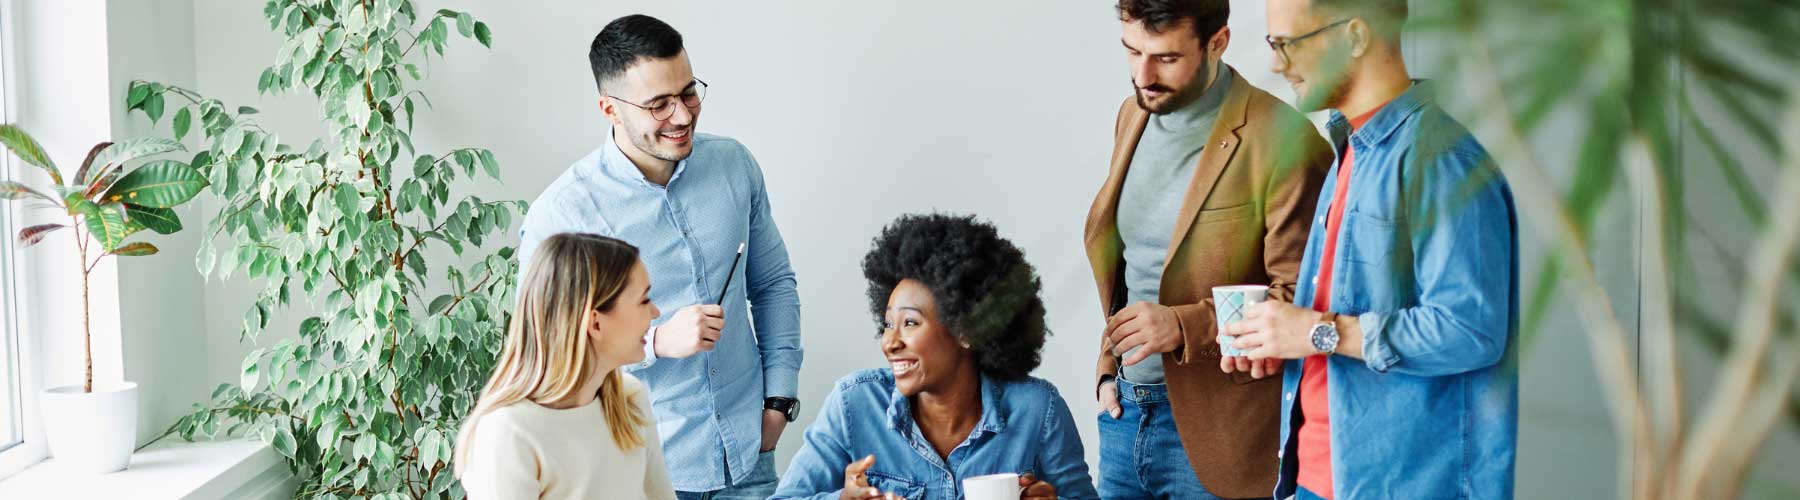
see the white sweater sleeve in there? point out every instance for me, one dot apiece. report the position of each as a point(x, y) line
point(503, 464)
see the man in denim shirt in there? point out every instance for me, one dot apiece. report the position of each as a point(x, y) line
point(1407, 312)
point(722, 388)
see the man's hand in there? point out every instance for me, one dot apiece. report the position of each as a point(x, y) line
point(1275, 330)
point(1036, 489)
point(694, 329)
point(1109, 397)
point(856, 482)
point(1153, 326)
point(1257, 368)
point(773, 423)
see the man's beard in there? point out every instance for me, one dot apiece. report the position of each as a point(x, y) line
point(1330, 98)
point(1185, 96)
point(648, 142)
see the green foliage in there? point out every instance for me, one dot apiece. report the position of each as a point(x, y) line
point(364, 400)
point(99, 207)
point(99, 210)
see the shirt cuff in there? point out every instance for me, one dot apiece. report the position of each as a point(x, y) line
point(1377, 353)
point(649, 350)
point(781, 383)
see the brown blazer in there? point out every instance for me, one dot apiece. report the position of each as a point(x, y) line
point(1245, 221)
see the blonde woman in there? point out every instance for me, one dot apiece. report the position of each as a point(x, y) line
point(558, 419)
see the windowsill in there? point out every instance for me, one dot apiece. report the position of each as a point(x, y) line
point(171, 469)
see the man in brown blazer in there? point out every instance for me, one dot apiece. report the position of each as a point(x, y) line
point(1212, 183)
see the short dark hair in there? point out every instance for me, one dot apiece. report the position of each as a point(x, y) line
point(985, 291)
point(1387, 16)
point(625, 40)
point(1158, 15)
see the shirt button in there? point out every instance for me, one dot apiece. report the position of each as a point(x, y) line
point(1290, 396)
point(1321, 220)
point(1315, 279)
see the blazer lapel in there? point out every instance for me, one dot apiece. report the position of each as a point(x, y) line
point(1105, 248)
point(1220, 146)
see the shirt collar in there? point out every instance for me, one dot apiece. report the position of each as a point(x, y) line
point(1386, 120)
point(614, 163)
point(993, 414)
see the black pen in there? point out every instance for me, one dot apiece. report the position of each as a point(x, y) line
point(730, 273)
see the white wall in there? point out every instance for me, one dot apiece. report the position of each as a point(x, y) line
point(163, 296)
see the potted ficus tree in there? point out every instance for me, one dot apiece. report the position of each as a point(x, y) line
point(88, 427)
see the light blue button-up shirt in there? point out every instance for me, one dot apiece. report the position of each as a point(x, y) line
point(1025, 427)
point(708, 407)
point(1428, 259)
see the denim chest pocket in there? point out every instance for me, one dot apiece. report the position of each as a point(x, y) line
point(1376, 251)
point(899, 486)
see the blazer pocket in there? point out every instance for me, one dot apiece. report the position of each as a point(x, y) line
point(1234, 213)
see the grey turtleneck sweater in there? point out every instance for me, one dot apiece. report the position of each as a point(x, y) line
point(1155, 187)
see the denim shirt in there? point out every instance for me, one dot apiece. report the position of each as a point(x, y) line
point(708, 407)
point(1025, 427)
point(1428, 260)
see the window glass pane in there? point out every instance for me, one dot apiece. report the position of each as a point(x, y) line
point(10, 425)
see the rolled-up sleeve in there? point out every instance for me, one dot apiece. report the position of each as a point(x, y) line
point(1463, 238)
point(817, 471)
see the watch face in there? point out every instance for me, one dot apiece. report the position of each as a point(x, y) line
point(1324, 338)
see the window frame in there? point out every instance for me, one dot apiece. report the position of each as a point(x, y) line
point(20, 375)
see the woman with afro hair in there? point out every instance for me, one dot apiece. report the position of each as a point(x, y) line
point(961, 325)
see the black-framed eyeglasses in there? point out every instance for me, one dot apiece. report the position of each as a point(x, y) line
point(1280, 45)
point(663, 107)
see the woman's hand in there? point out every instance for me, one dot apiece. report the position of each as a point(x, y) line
point(1035, 489)
point(856, 482)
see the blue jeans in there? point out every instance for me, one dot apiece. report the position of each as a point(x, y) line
point(1141, 456)
point(759, 485)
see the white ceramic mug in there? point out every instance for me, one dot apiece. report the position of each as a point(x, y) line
point(992, 487)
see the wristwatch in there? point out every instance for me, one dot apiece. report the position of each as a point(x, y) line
point(789, 407)
point(1325, 334)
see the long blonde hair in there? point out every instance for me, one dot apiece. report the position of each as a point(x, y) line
point(548, 355)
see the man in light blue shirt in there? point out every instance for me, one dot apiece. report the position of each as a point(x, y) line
point(723, 386)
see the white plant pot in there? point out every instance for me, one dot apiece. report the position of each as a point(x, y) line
point(91, 431)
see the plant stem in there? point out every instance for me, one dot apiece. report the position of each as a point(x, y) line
point(87, 312)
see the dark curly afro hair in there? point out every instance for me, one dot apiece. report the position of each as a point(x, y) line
point(985, 291)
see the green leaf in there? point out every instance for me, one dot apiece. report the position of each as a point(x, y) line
point(105, 223)
point(10, 190)
point(284, 441)
point(153, 106)
point(136, 249)
point(158, 184)
point(160, 220)
point(465, 24)
point(134, 148)
point(27, 149)
point(489, 164)
point(483, 35)
point(34, 234)
point(429, 447)
point(438, 304)
point(87, 164)
point(422, 165)
point(246, 110)
point(346, 198)
point(182, 120)
point(136, 95)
